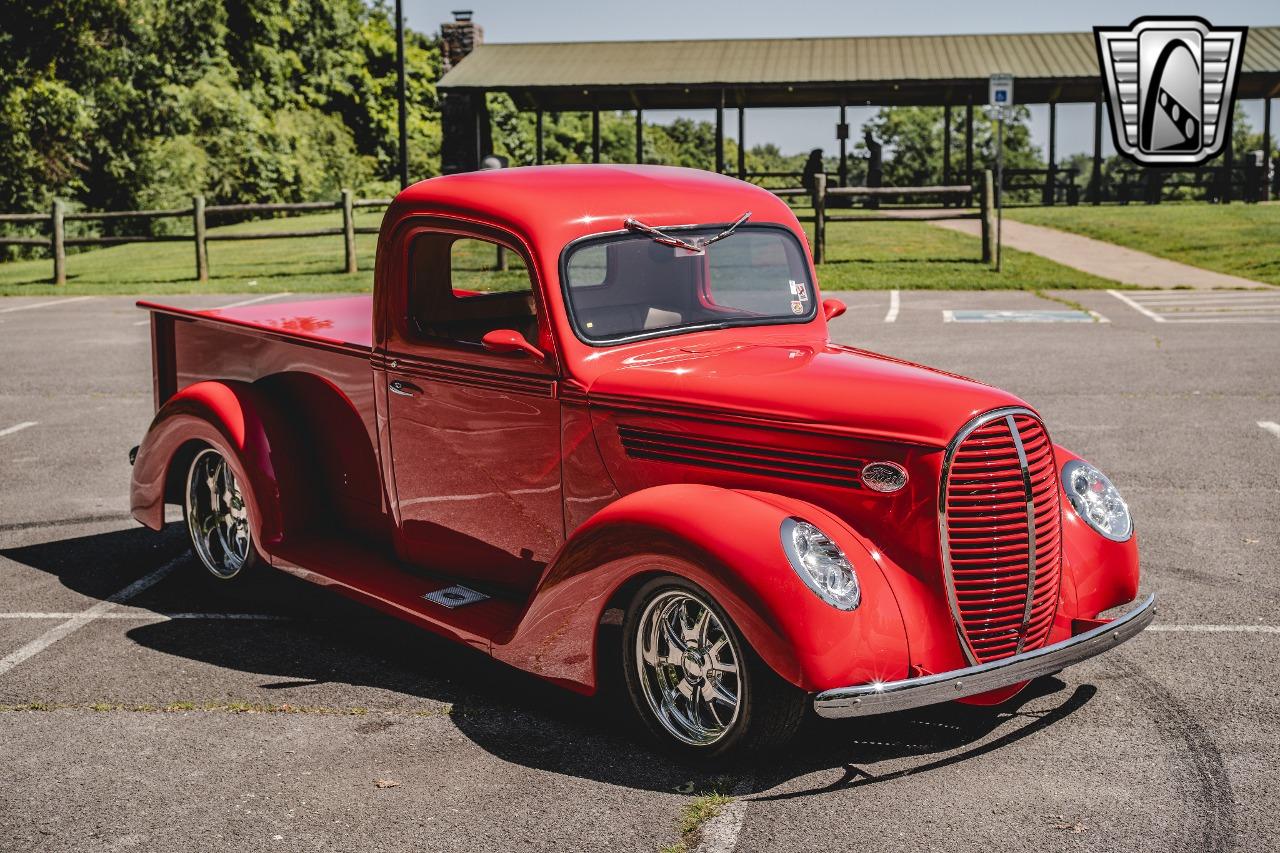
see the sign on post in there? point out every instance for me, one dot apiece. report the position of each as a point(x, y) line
point(1000, 96)
point(1000, 91)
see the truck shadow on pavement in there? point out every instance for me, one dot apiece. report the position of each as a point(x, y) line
point(310, 648)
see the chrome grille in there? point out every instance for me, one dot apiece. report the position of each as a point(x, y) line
point(1000, 532)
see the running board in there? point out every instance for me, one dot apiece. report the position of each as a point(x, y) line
point(372, 578)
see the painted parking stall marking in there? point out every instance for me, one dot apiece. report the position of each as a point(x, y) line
point(992, 316)
point(84, 617)
point(1271, 427)
point(1204, 306)
point(18, 427)
point(894, 303)
point(33, 306)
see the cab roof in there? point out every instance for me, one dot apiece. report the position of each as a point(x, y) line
point(550, 204)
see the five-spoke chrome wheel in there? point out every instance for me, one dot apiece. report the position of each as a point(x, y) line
point(217, 516)
point(689, 667)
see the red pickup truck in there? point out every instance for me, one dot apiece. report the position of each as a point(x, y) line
point(586, 395)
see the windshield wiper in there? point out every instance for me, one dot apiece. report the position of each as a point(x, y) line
point(696, 245)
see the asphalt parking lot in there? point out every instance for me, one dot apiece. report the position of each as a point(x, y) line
point(144, 707)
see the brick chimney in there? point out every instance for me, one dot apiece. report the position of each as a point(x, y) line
point(458, 38)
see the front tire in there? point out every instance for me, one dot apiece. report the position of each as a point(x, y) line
point(695, 683)
point(217, 517)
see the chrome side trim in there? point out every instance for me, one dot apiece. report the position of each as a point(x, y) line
point(1031, 530)
point(882, 698)
point(947, 458)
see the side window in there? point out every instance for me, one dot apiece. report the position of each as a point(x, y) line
point(464, 287)
point(478, 266)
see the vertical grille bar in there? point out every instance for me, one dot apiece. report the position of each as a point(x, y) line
point(1031, 531)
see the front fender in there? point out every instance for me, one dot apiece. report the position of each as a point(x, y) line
point(237, 420)
point(1097, 573)
point(729, 543)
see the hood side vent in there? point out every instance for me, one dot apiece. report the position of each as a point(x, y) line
point(762, 461)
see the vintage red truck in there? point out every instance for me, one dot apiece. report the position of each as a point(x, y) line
point(581, 392)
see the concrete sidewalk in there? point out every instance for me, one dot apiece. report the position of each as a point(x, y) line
point(1107, 260)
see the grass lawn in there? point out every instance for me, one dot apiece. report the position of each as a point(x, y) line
point(916, 255)
point(1238, 239)
point(872, 255)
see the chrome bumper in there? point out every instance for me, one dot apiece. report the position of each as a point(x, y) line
point(866, 699)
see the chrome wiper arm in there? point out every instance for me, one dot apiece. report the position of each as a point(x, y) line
point(697, 245)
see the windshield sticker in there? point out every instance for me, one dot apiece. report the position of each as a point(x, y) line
point(800, 291)
point(797, 307)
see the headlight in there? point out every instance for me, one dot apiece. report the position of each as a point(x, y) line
point(821, 564)
point(1096, 500)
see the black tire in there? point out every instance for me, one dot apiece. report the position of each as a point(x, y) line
point(212, 494)
point(769, 709)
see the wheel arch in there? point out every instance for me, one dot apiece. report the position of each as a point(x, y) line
point(727, 542)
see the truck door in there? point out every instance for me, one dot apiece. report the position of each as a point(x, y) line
point(474, 439)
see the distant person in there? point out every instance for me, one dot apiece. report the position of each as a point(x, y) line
point(812, 168)
point(875, 167)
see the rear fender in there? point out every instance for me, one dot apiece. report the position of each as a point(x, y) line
point(729, 543)
point(235, 419)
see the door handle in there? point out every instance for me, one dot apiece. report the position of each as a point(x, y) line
point(404, 389)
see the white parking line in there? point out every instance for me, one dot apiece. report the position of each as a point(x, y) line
point(148, 616)
point(1271, 427)
point(17, 427)
point(63, 301)
point(720, 834)
point(892, 316)
point(84, 617)
point(1135, 306)
point(1216, 629)
point(241, 304)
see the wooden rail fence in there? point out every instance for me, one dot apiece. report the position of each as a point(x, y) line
point(821, 195)
point(58, 216)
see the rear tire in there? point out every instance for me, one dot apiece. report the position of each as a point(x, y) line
point(217, 517)
point(695, 684)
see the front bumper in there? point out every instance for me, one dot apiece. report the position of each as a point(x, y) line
point(884, 697)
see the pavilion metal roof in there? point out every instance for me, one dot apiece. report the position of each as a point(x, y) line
point(881, 70)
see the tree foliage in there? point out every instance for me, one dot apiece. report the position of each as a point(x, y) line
point(119, 105)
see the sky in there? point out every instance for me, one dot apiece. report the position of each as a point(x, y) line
point(795, 130)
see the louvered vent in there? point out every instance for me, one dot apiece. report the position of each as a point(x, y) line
point(686, 449)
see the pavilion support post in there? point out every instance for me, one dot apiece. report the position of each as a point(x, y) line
point(1095, 180)
point(1228, 161)
point(538, 143)
point(741, 142)
point(595, 136)
point(946, 149)
point(968, 148)
point(720, 136)
point(1265, 195)
point(1050, 180)
point(843, 133)
point(639, 135)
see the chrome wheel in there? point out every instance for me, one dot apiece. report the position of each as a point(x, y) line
point(217, 517)
point(689, 668)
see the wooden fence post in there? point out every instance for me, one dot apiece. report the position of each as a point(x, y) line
point(202, 248)
point(819, 218)
point(988, 223)
point(58, 241)
point(349, 230)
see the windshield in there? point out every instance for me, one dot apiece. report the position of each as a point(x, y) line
point(626, 286)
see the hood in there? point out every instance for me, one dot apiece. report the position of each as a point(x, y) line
point(827, 386)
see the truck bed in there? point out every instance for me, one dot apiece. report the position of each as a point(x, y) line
point(345, 322)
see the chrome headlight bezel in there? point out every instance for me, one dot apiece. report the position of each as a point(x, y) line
point(801, 538)
point(1072, 471)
